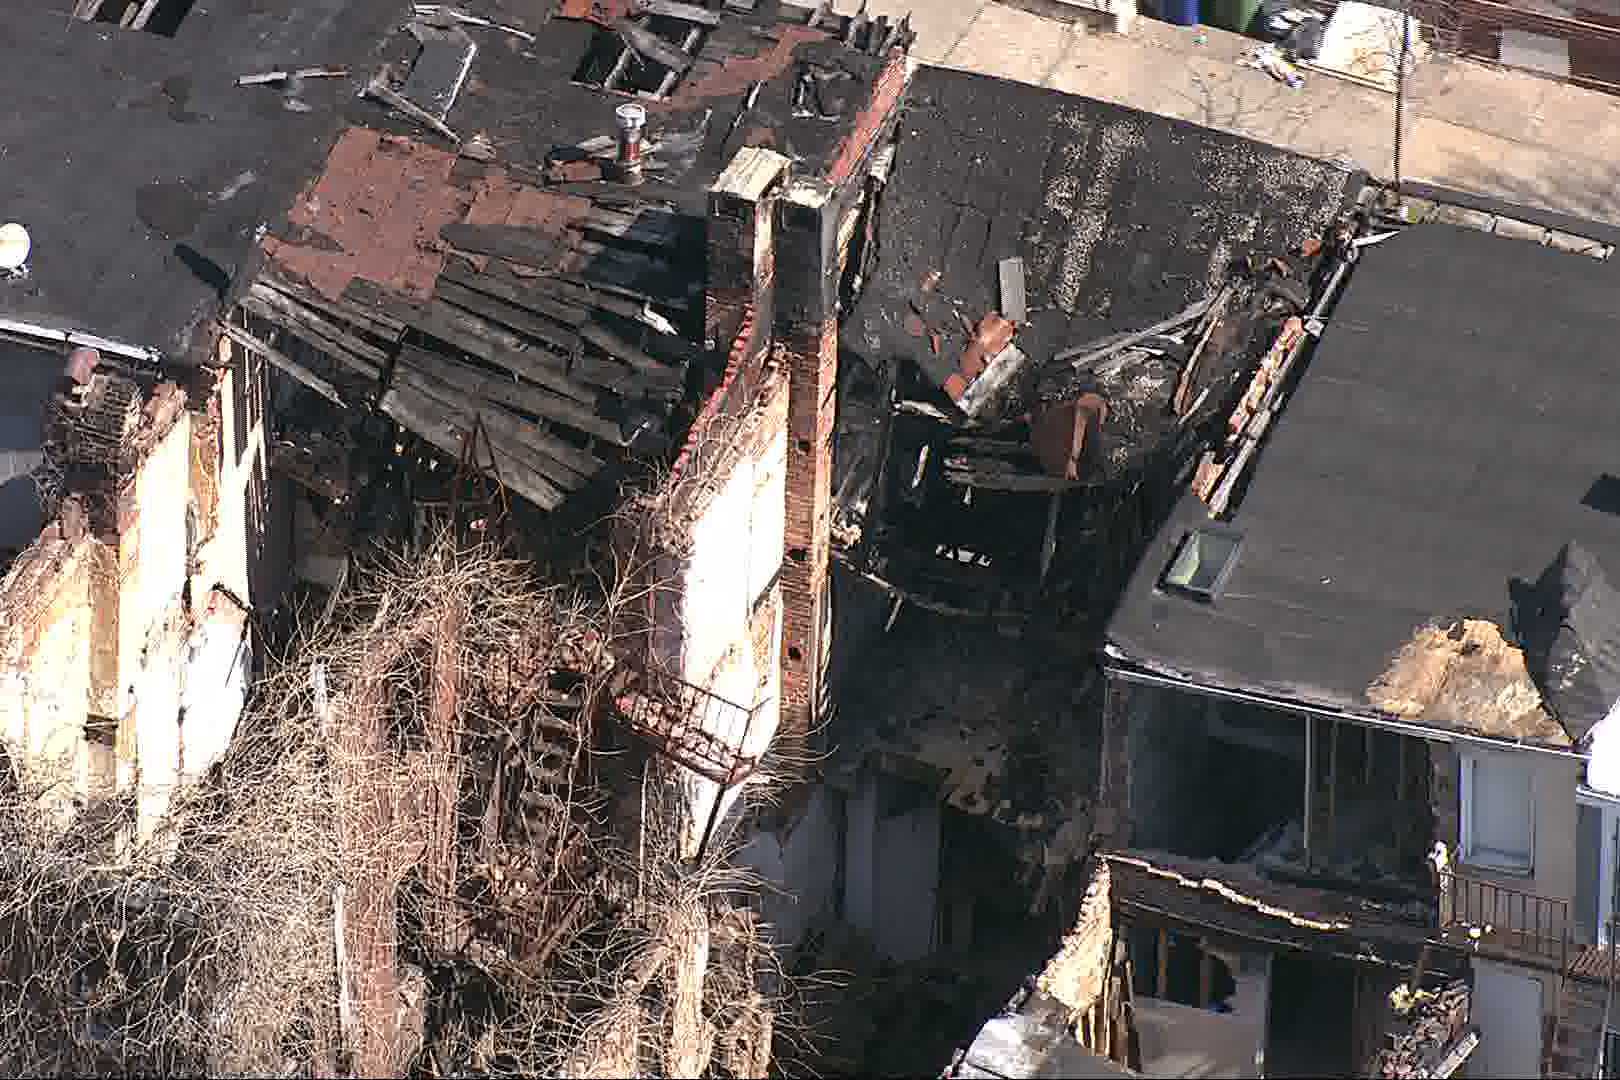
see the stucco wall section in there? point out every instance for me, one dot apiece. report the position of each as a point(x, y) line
point(45, 656)
point(102, 629)
point(797, 861)
point(718, 623)
point(1555, 780)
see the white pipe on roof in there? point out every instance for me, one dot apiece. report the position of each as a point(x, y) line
point(77, 338)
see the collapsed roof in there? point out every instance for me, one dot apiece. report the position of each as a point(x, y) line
point(1052, 308)
point(477, 260)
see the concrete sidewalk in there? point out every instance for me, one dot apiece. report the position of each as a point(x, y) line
point(1497, 132)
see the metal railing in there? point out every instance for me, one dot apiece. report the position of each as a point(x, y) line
point(690, 725)
point(1500, 919)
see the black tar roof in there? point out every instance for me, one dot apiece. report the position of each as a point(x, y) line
point(142, 171)
point(1122, 217)
point(1442, 445)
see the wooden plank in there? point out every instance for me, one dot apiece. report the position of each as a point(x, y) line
point(651, 228)
point(312, 335)
point(566, 466)
point(418, 413)
point(1189, 373)
point(360, 316)
point(446, 323)
point(1082, 357)
point(582, 369)
point(583, 295)
point(302, 313)
point(632, 274)
point(673, 9)
point(1014, 305)
point(142, 15)
point(997, 480)
point(529, 299)
point(614, 345)
point(530, 399)
point(517, 243)
point(508, 315)
point(532, 436)
point(285, 363)
point(652, 47)
point(457, 410)
point(1161, 988)
point(689, 45)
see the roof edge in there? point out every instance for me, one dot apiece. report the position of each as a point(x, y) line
point(1116, 664)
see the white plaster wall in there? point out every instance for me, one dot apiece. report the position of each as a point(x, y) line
point(860, 855)
point(798, 864)
point(736, 550)
point(223, 559)
point(891, 872)
point(216, 675)
point(43, 700)
point(157, 725)
point(153, 556)
point(907, 860)
point(1556, 779)
point(1507, 1006)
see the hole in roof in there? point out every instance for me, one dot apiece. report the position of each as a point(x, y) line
point(1202, 563)
point(610, 64)
point(1604, 494)
point(160, 17)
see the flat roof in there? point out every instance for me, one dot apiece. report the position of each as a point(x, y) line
point(1451, 433)
point(142, 171)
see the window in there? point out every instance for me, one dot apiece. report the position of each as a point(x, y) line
point(1203, 562)
point(1498, 813)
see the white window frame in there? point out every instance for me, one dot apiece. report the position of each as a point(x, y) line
point(1609, 828)
point(1471, 854)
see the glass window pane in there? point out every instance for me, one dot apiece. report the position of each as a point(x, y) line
point(1199, 562)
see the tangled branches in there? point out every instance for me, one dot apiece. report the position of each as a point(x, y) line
point(415, 859)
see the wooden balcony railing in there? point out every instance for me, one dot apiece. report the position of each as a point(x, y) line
point(1498, 919)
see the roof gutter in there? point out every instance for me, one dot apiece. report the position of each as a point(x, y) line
point(1113, 669)
point(74, 339)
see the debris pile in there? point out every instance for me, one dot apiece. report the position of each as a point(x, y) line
point(1435, 1029)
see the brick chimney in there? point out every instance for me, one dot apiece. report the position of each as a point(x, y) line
point(740, 248)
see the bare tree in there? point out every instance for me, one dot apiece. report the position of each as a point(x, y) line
point(415, 857)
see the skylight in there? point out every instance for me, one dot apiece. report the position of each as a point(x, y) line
point(1203, 562)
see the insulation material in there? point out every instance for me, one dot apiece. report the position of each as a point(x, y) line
point(1466, 676)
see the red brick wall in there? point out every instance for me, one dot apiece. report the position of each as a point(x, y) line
point(805, 344)
point(741, 266)
point(812, 367)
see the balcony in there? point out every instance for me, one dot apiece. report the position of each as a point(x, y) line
point(691, 726)
point(1509, 923)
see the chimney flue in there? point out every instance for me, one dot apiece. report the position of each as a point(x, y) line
point(632, 118)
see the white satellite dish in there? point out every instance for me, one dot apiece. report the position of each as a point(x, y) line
point(14, 247)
